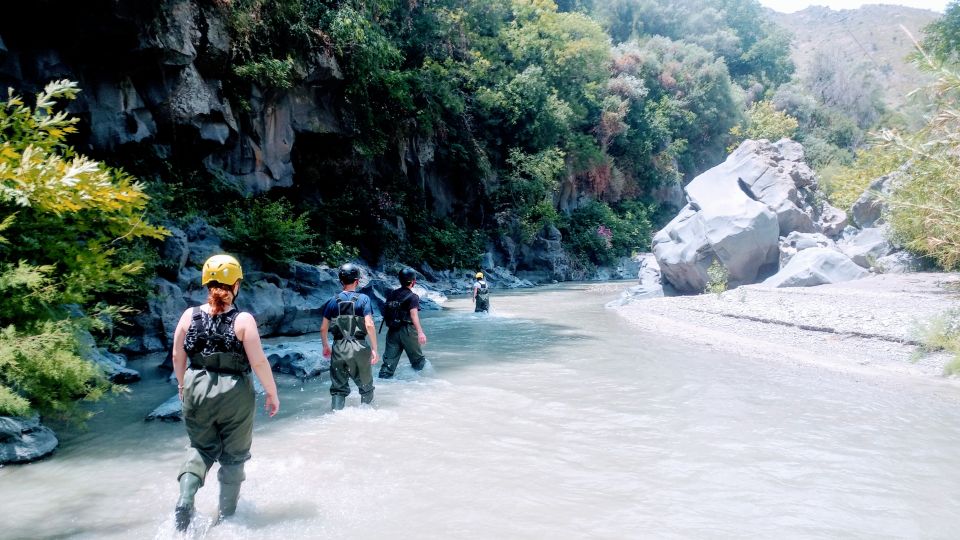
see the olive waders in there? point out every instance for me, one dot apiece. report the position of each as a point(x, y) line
point(218, 410)
point(350, 357)
point(399, 340)
point(483, 298)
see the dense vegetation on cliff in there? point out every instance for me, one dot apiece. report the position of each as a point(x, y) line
point(537, 120)
point(417, 131)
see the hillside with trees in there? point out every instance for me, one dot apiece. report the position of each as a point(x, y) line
point(537, 136)
point(866, 46)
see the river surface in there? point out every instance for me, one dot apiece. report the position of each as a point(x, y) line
point(549, 418)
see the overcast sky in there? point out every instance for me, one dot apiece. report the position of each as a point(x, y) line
point(789, 6)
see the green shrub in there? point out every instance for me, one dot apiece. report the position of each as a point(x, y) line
point(336, 253)
point(268, 72)
point(447, 245)
point(942, 333)
point(68, 224)
point(597, 233)
point(269, 229)
point(844, 184)
point(717, 277)
point(925, 204)
point(763, 121)
point(43, 365)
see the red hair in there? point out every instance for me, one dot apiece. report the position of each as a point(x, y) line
point(220, 297)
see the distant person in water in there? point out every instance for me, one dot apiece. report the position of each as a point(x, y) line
point(223, 346)
point(404, 333)
point(481, 295)
point(350, 357)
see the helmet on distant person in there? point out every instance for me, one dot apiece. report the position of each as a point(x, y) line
point(479, 275)
point(349, 273)
point(222, 269)
point(407, 275)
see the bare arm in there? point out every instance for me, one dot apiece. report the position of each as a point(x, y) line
point(179, 353)
point(415, 317)
point(371, 336)
point(246, 329)
point(324, 328)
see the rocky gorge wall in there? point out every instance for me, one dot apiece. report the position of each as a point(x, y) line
point(154, 76)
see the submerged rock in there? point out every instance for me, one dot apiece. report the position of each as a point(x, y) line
point(170, 410)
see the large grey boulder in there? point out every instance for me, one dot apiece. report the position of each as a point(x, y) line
point(901, 262)
point(816, 266)
point(721, 222)
point(303, 359)
point(736, 213)
point(832, 221)
point(868, 210)
point(776, 175)
point(546, 252)
point(173, 253)
point(23, 440)
point(796, 242)
point(164, 309)
point(114, 366)
point(650, 284)
point(868, 245)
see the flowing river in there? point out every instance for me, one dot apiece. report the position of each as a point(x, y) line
point(550, 418)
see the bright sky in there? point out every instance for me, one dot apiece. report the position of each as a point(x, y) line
point(789, 6)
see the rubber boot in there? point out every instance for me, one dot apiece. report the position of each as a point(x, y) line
point(338, 402)
point(189, 484)
point(366, 399)
point(229, 495)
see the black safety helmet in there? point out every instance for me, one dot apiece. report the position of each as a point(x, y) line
point(407, 275)
point(349, 273)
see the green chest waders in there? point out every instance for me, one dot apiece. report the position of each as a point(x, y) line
point(483, 298)
point(350, 357)
point(218, 408)
point(399, 340)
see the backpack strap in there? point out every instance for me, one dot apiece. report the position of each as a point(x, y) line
point(350, 332)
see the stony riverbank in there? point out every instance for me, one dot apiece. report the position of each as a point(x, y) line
point(871, 325)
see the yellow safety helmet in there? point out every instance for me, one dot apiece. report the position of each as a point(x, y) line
point(479, 275)
point(222, 269)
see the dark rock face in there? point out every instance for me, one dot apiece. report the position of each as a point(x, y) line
point(152, 74)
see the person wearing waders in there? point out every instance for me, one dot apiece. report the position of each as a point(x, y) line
point(223, 346)
point(481, 295)
point(404, 332)
point(351, 315)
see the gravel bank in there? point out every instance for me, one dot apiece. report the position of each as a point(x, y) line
point(870, 325)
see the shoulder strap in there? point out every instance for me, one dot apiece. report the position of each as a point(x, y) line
point(231, 316)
